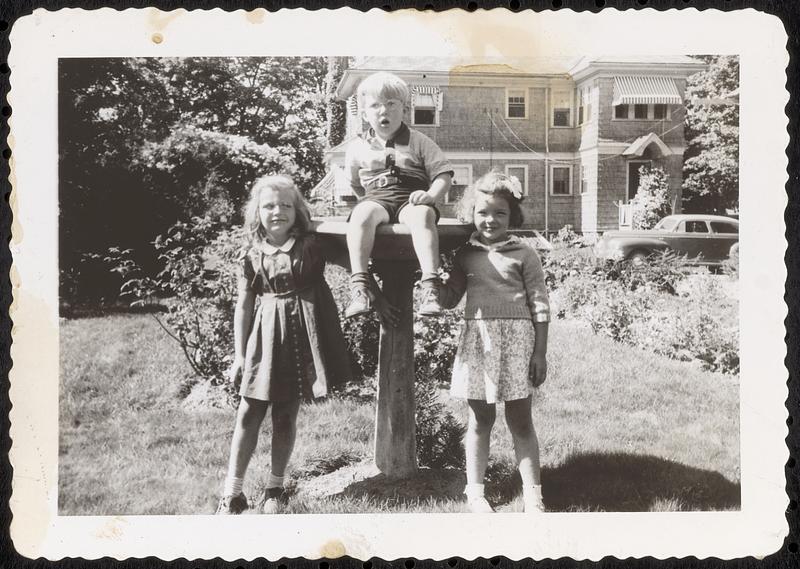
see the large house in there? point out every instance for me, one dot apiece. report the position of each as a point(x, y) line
point(575, 131)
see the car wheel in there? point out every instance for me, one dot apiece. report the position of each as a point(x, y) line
point(638, 258)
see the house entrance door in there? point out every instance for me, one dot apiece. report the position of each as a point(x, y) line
point(633, 177)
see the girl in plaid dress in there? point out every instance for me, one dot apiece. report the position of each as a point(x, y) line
point(288, 343)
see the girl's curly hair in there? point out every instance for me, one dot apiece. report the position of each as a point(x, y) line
point(252, 223)
point(493, 183)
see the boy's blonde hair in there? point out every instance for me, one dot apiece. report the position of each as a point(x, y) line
point(383, 85)
point(252, 222)
point(493, 183)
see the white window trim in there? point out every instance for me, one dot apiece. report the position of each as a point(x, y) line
point(469, 169)
point(628, 175)
point(524, 91)
point(435, 116)
point(523, 182)
point(650, 114)
point(572, 111)
point(583, 189)
point(552, 179)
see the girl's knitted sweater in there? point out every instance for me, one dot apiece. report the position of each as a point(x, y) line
point(501, 280)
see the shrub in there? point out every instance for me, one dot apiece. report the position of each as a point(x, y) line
point(567, 237)
point(663, 272)
point(652, 201)
point(435, 344)
point(439, 433)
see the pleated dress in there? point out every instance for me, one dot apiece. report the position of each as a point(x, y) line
point(295, 348)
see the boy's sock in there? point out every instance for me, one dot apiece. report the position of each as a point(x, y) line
point(275, 481)
point(359, 280)
point(431, 278)
point(233, 486)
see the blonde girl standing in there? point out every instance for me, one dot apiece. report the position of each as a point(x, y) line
point(288, 343)
point(502, 352)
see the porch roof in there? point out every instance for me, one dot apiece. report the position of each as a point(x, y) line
point(638, 146)
point(645, 89)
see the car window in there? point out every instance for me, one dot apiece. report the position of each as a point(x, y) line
point(666, 224)
point(696, 227)
point(724, 227)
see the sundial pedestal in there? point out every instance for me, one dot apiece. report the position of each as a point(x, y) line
point(396, 264)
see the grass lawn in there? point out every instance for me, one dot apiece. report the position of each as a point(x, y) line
point(620, 429)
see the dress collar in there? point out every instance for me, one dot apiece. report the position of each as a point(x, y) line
point(272, 249)
point(474, 241)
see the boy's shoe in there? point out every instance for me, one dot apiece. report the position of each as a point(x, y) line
point(429, 304)
point(231, 505)
point(479, 505)
point(274, 499)
point(360, 302)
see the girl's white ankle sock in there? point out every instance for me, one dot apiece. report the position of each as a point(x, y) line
point(233, 486)
point(473, 491)
point(532, 491)
point(275, 481)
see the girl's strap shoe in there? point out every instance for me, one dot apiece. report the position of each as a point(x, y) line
point(274, 500)
point(231, 505)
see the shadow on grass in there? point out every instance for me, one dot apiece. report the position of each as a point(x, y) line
point(618, 482)
point(425, 484)
point(102, 309)
point(610, 482)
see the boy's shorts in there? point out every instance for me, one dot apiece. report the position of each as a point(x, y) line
point(393, 201)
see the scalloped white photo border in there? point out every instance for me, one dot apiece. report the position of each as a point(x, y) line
point(39, 40)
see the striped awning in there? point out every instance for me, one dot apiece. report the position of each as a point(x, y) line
point(433, 90)
point(352, 105)
point(645, 89)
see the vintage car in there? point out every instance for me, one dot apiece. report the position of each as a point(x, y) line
point(704, 239)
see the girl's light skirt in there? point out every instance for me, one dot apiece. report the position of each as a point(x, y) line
point(493, 360)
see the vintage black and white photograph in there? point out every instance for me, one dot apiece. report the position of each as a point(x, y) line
point(615, 181)
point(470, 284)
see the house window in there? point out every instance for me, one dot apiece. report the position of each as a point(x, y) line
point(516, 104)
point(520, 172)
point(584, 179)
point(642, 112)
point(584, 105)
point(424, 110)
point(462, 177)
point(560, 180)
point(562, 108)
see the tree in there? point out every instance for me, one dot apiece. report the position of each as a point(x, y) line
point(652, 200)
point(711, 161)
point(335, 110)
point(148, 142)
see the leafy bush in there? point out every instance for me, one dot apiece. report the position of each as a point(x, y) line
point(652, 201)
point(567, 237)
point(435, 344)
point(439, 433)
point(663, 272)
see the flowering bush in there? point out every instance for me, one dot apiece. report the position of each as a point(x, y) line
point(652, 200)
